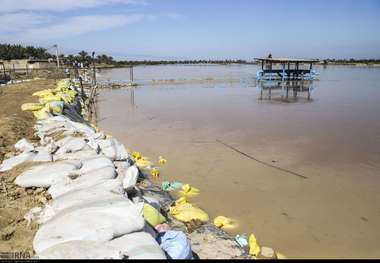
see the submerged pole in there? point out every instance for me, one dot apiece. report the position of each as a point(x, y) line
point(131, 74)
point(93, 68)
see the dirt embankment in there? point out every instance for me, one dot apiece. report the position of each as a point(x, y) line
point(15, 234)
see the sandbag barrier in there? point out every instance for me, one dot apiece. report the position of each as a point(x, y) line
point(103, 203)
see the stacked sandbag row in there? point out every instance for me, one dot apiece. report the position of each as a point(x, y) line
point(97, 210)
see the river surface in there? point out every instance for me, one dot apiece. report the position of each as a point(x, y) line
point(302, 174)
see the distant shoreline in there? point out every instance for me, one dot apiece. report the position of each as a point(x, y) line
point(141, 63)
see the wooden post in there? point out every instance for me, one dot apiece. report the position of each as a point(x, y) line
point(81, 86)
point(5, 75)
point(93, 68)
point(131, 74)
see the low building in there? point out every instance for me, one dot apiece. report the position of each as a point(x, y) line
point(24, 64)
point(41, 64)
point(15, 64)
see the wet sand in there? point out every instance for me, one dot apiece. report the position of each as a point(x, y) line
point(333, 140)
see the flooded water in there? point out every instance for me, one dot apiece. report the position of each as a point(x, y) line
point(302, 174)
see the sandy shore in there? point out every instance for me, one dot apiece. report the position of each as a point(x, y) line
point(15, 202)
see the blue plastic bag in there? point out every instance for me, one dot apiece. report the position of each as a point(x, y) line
point(175, 245)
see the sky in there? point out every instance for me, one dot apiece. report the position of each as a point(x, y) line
point(196, 29)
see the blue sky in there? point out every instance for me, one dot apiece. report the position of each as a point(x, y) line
point(194, 29)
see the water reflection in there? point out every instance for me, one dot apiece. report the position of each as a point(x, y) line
point(132, 91)
point(285, 91)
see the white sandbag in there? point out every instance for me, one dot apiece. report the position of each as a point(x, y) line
point(42, 155)
point(71, 145)
point(63, 124)
point(91, 164)
point(98, 136)
point(82, 128)
point(8, 164)
point(131, 246)
point(87, 154)
point(113, 149)
point(80, 249)
point(130, 178)
point(105, 190)
point(139, 245)
point(93, 145)
point(54, 119)
point(98, 222)
point(52, 147)
point(24, 146)
point(48, 125)
point(47, 174)
point(84, 180)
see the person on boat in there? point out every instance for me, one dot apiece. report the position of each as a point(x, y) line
point(269, 66)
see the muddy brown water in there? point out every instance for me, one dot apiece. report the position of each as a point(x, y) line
point(333, 140)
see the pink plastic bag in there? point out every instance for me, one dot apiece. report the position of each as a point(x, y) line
point(162, 228)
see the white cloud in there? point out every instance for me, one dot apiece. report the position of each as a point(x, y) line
point(71, 27)
point(173, 16)
point(59, 5)
point(76, 26)
point(15, 22)
point(34, 21)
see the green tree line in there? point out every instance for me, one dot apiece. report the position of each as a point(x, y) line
point(9, 51)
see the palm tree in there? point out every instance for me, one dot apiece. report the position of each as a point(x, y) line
point(82, 56)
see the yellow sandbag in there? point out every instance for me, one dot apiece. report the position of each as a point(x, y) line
point(187, 212)
point(94, 126)
point(64, 83)
point(187, 190)
point(49, 98)
point(254, 248)
point(152, 216)
point(140, 160)
point(224, 222)
point(181, 200)
point(67, 95)
point(42, 93)
point(154, 172)
point(141, 163)
point(136, 156)
point(42, 113)
point(161, 160)
point(280, 256)
point(31, 106)
point(66, 98)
